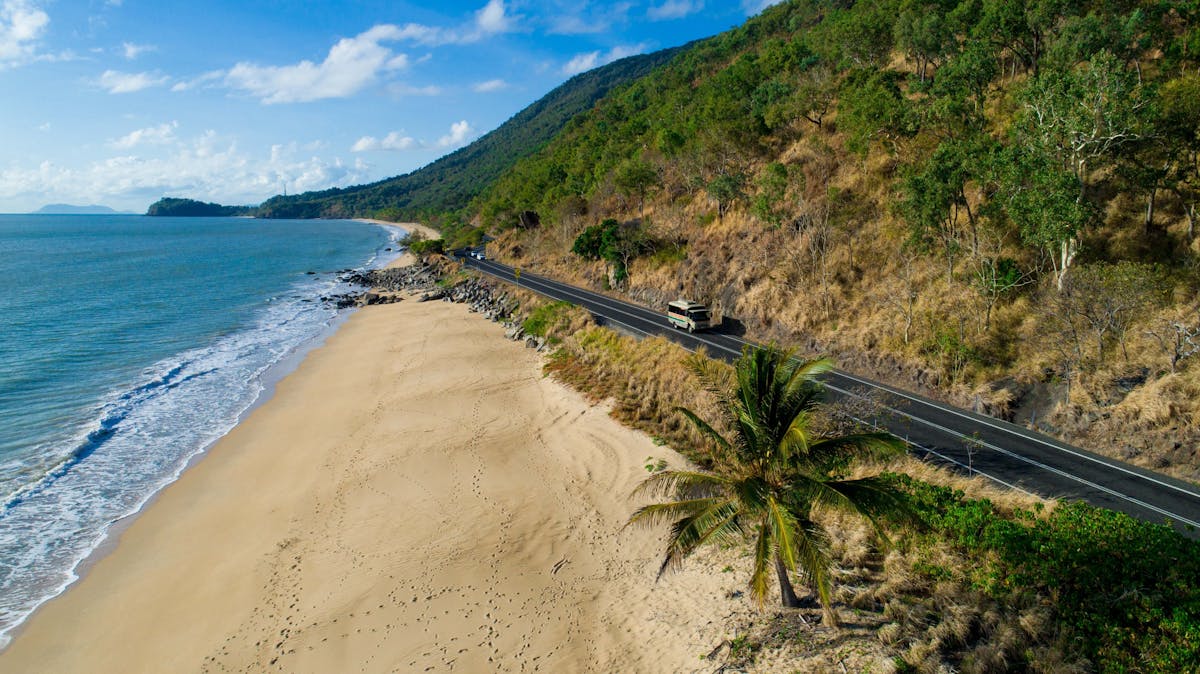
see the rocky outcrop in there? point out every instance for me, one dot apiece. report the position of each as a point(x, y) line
point(426, 280)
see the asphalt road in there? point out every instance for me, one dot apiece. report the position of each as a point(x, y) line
point(974, 443)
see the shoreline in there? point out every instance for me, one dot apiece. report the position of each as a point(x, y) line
point(109, 537)
point(137, 584)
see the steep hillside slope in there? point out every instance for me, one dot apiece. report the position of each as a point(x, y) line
point(991, 201)
point(449, 183)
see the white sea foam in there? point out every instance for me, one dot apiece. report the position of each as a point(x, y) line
point(142, 438)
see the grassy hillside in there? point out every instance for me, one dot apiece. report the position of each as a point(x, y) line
point(448, 184)
point(984, 580)
point(992, 201)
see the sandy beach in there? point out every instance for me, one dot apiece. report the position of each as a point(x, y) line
point(415, 497)
point(425, 230)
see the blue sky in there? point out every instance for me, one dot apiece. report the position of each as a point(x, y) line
point(120, 102)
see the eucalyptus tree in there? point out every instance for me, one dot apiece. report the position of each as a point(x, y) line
point(769, 471)
point(1075, 122)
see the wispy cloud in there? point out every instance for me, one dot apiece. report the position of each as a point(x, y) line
point(354, 63)
point(409, 90)
point(586, 61)
point(21, 26)
point(132, 51)
point(351, 64)
point(199, 81)
point(675, 9)
point(492, 19)
point(590, 20)
point(489, 86)
point(117, 82)
point(393, 141)
point(207, 167)
point(396, 141)
point(152, 135)
point(752, 7)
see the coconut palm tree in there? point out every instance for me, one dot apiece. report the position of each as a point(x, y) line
point(769, 475)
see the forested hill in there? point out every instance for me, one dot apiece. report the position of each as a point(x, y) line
point(990, 200)
point(448, 184)
point(174, 207)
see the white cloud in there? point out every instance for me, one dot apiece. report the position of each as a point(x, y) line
point(489, 86)
point(354, 63)
point(21, 25)
point(132, 51)
point(393, 141)
point(459, 132)
point(581, 63)
point(116, 82)
point(396, 142)
point(577, 25)
point(351, 64)
point(208, 167)
point(152, 135)
point(206, 78)
point(492, 19)
point(590, 19)
point(675, 9)
point(752, 7)
point(586, 61)
point(406, 90)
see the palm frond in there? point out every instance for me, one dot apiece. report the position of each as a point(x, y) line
point(762, 563)
point(812, 559)
point(704, 427)
point(681, 483)
point(718, 524)
point(801, 372)
point(657, 513)
point(783, 527)
point(873, 498)
point(713, 375)
point(797, 439)
point(828, 452)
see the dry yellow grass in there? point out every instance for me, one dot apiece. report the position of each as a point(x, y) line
point(888, 311)
point(912, 600)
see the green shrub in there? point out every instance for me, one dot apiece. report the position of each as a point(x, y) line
point(1125, 590)
point(428, 247)
point(543, 319)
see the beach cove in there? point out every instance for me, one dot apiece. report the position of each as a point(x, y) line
point(415, 496)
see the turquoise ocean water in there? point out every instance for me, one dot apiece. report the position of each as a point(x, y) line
point(129, 344)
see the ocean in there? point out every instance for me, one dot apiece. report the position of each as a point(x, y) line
point(128, 345)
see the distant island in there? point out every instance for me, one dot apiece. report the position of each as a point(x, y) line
point(70, 209)
point(173, 207)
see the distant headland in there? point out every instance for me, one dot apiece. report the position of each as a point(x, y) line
point(70, 209)
point(173, 207)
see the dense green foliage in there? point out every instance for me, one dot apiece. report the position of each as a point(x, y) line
point(169, 206)
point(448, 184)
point(1013, 121)
point(1012, 143)
point(1125, 590)
point(770, 470)
point(427, 246)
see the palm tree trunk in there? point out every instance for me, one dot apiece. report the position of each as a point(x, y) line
point(790, 600)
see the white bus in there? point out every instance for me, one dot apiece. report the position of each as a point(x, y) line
point(688, 314)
